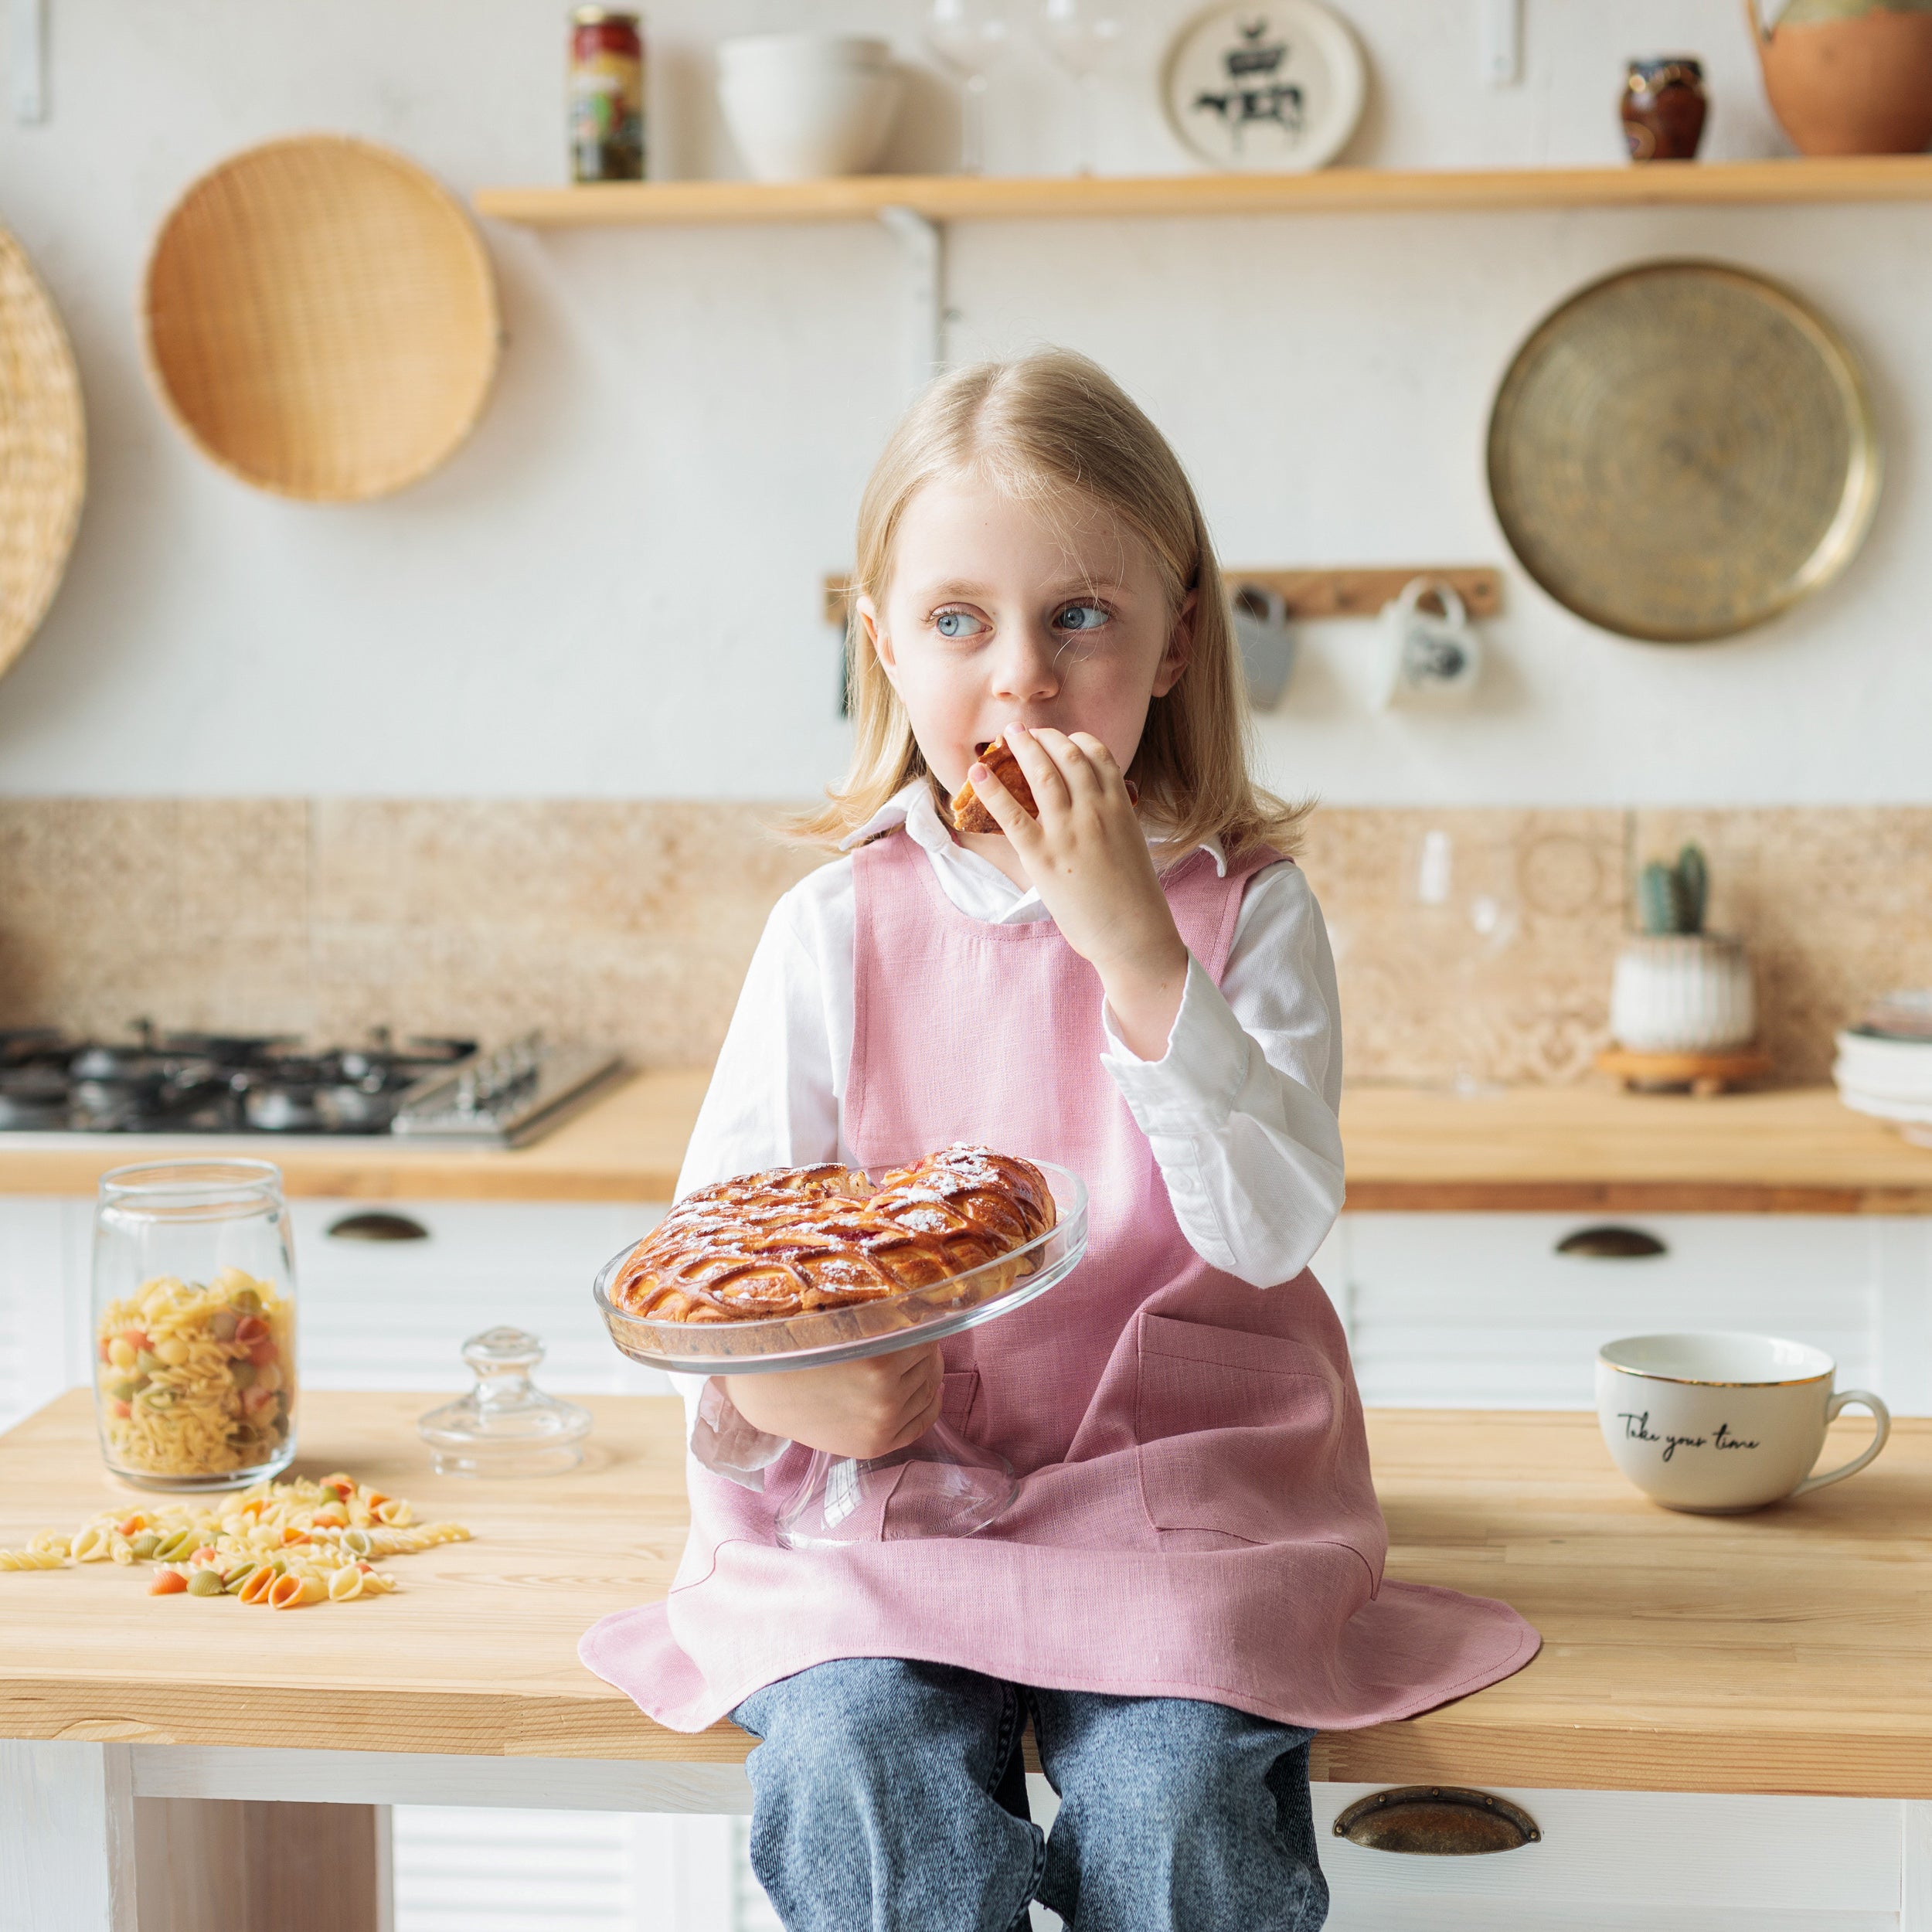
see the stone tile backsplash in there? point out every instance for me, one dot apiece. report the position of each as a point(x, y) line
point(632, 923)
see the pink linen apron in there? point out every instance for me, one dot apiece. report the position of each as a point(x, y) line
point(1196, 1516)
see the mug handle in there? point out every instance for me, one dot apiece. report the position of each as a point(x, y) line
point(1880, 1414)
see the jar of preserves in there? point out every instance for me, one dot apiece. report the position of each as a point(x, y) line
point(194, 1324)
point(1663, 106)
point(606, 96)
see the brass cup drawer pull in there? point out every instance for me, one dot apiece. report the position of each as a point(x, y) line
point(1612, 1243)
point(377, 1227)
point(1437, 1821)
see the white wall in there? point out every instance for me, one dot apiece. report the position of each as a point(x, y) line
point(612, 588)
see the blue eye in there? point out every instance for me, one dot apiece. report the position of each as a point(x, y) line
point(1082, 617)
point(957, 623)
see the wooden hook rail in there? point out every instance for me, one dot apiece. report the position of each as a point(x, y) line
point(1361, 593)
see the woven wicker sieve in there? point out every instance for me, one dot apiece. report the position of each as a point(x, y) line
point(43, 450)
point(321, 319)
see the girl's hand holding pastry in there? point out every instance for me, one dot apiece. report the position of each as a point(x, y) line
point(865, 1408)
point(1088, 859)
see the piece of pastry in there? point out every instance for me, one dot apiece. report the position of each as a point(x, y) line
point(795, 1240)
point(969, 814)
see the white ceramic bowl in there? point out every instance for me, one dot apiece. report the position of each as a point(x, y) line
point(801, 107)
point(799, 52)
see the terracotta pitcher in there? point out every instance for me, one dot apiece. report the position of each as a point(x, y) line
point(1849, 76)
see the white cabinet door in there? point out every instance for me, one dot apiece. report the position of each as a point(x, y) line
point(394, 1314)
point(34, 1293)
point(1481, 1310)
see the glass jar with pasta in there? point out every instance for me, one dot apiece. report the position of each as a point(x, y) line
point(194, 1324)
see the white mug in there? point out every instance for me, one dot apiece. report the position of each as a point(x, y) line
point(1719, 1424)
point(1426, 658)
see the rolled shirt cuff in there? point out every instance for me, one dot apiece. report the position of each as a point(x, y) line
point(728, 1445)
point(1192, 1088)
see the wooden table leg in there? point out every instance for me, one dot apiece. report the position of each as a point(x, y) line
point(208, 1862)
point(66, 1837)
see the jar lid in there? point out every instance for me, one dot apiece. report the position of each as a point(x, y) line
point(506, 1425)
point(597, 16)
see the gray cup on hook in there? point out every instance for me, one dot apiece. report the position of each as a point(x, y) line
point(1267, 642)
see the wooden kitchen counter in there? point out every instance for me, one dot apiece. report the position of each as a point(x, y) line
point(1557, 1149)
point(1787, 1652)
point(1569, 1149)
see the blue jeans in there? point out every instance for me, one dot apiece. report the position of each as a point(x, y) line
point(890, 1797)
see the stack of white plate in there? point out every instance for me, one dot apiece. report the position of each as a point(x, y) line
point(1884, 1064)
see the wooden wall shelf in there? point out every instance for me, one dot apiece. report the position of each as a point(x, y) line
point(941, 197)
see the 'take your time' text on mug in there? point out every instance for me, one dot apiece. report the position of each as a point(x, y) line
point(1719, 1424)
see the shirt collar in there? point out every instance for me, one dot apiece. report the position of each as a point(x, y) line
point(913, 806)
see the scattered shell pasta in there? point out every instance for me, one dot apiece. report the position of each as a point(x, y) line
point(284, 1544)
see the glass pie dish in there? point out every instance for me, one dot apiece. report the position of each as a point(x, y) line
point(893, 1322)
point(961, 1486)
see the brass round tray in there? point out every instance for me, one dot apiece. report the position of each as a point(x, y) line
point(1682, 450)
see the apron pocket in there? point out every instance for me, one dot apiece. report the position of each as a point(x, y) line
point(1238, 1436)
point(959, 1399)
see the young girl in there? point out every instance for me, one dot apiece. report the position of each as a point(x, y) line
point(1189, 1581)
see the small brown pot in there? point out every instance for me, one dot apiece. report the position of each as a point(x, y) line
point(1843, 80)
point(1663, 108)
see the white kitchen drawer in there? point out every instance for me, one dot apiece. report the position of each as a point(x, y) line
point(394, 1314)
point(1480, 1309)
point(498, 1870)
point(1620, 1860)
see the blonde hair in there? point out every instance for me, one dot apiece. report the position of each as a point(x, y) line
point(1050, 426)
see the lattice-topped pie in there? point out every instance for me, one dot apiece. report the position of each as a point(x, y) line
point(791, 1240)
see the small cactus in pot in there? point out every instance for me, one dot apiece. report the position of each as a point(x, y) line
point(1678, 989)
point(1671, 899)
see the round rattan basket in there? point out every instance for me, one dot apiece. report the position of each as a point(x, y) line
point(321, 319)
point(43, 450)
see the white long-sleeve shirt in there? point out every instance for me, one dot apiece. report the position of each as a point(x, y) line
point(1240, 1111)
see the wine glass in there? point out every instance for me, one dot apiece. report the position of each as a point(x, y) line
point(1081, 35)
point(1468, 906)
point(971, 36)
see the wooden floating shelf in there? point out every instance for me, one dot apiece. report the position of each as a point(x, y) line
point(1333, 190)
point(1348, 591)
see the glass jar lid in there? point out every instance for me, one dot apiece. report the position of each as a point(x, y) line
point(506, 1425)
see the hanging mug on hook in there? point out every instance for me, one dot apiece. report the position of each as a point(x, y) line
point(1429, 657)
point(1267, 642)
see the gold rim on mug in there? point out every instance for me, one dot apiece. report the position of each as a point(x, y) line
point(1710, 1382)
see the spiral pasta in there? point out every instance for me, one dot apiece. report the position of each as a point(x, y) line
point(195, 1379)
point(284, 1544)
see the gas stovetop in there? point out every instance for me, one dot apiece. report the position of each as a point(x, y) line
point(201, 1083)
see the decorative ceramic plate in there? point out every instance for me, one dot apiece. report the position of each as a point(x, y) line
point(1269, 87)
point(867, 1328)
point(1681, 451)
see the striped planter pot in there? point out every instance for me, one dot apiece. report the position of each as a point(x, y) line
point(1683, 993)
